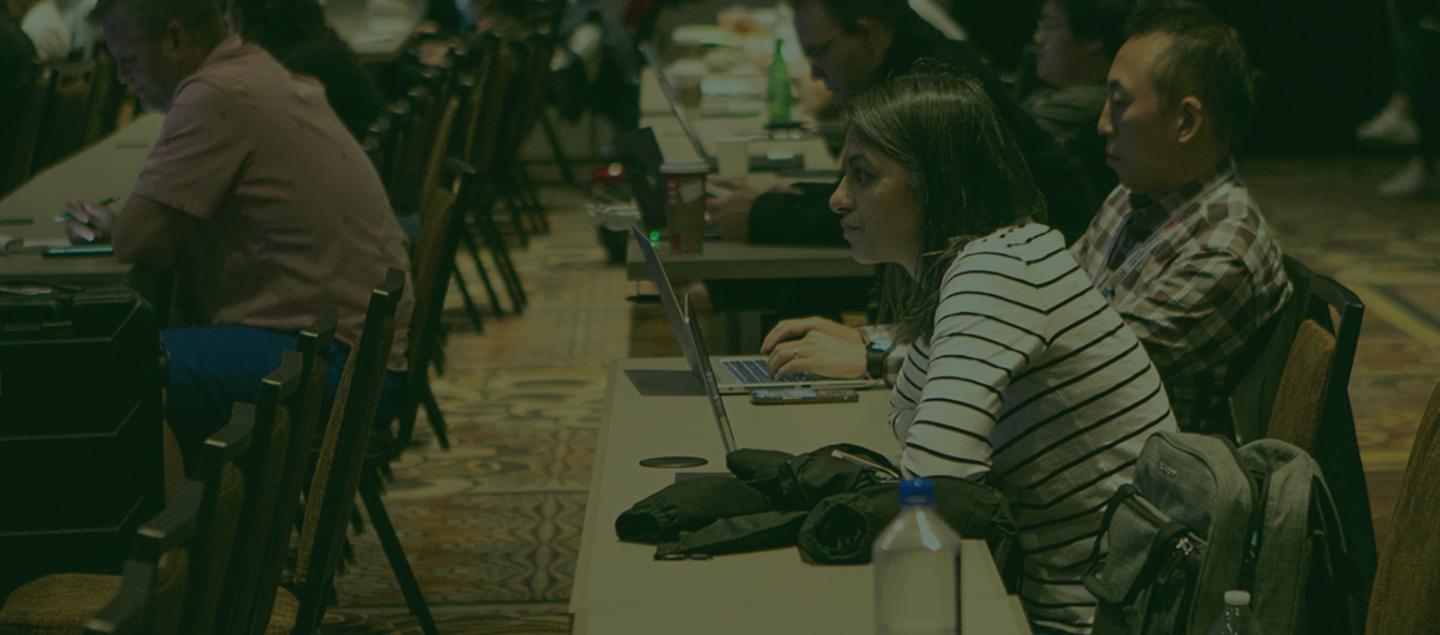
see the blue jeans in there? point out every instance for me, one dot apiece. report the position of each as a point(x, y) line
point(212, 367)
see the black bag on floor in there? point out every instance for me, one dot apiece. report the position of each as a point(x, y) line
point(81, 463)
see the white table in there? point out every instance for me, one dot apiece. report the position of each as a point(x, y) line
point(620, 588)
point(104, 170)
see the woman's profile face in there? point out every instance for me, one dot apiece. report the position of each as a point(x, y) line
point(879, 212)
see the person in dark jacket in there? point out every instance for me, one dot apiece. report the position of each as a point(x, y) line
point(296, 33)
point(854, 44)
point(17, 71)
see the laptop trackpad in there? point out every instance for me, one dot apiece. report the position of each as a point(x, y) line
point(666, 383)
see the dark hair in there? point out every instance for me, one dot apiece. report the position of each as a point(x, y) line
point(1205, 60)
point(200, 16)
point(964, 169)
point(1102, 20)
point(888, 13)
point(281, 25)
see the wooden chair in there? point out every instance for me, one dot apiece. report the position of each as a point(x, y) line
point(430, 267)
point(20, 139)
point(1406, 594)
point(197, 538)
point(1300, 398)
point(103, 105)
point(154, 585)
point(228, 486)
point(265, 467)
point(341, 469)
point(305, 412)
point(499, 94)
point(63, 127)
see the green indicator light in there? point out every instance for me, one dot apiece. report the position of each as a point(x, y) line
point(654, 235)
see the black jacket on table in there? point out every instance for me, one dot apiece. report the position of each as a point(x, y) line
point(805, 218)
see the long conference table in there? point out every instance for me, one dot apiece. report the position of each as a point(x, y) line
point(102, 171)
point(722, 260)
point(621, 589)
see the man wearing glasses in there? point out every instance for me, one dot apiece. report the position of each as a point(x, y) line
point(851, 44)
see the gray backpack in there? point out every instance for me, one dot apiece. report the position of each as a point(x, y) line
point(1202, 518)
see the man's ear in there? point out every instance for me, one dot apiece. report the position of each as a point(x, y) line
point(173, 38)
point(1189, 120)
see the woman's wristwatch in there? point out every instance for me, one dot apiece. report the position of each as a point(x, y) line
point(877, 348)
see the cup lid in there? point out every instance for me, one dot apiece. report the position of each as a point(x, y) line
point(685, 167)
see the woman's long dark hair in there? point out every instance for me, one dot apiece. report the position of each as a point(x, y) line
point(964, 168)
point(279, 26)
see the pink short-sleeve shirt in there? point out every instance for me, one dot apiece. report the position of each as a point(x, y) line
point(293, 215)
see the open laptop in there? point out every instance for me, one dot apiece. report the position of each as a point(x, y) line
point(707, 376)
point(758, 162)
point(734, 374)
point(673, 100)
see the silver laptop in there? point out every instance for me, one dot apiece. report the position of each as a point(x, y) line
point(673, 100)
point(706, 373)
point(734, 374)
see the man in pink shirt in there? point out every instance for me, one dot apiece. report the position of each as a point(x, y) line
point(254, 194)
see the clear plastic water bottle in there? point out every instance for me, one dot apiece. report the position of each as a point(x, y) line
point(1236, 618)
point(917, 568)
point(779, 88)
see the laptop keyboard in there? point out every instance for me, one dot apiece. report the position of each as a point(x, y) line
point(756, 371)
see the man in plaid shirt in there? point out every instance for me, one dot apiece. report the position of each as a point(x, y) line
point(1180, 248)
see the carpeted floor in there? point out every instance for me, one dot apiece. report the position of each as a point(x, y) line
point(492, 526)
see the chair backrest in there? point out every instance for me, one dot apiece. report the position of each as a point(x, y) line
point(125, 615)
point(472, 86)
point(304, 409)
point(1300, 398)
point(63, 127)
point(264, 468)
point(1406, 595)
point(164, 542)
point(1346, 311)
point(431, 264)
point(338, 469)
point(103, 103)
point(499, 93)
point(20, 154)
point(220, 524)
point(436, 161)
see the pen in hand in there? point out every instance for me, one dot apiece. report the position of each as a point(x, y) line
point(67, 216)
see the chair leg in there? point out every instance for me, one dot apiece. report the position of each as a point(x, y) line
point(394, 552)
point(470, 307)
point(484, 275)
point(501, 254)
point(538, 214)
point(517, 218)
point(434, 415)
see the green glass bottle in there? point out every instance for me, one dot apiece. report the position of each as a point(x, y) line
point(779, 88)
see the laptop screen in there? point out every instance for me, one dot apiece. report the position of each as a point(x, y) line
point(668, 300)
point(674, 102)
point(707, 377)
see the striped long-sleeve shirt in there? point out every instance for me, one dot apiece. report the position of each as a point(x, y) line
point(1033, 382)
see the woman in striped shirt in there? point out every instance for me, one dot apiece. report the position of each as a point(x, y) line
point(1018, 372)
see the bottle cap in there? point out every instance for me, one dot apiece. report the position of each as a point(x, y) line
point(917, 491)
point(1237, 598)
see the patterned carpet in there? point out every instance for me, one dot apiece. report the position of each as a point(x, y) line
point(492, 526)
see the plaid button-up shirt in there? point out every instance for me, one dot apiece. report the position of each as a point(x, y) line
point(1195, 274)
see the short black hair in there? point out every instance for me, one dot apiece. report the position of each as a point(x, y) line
point(201, 16)
point(1205, 59)
point(889, 13)
point(1102, 20)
